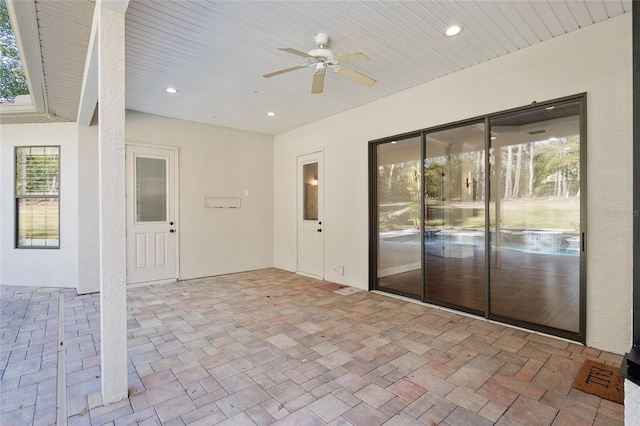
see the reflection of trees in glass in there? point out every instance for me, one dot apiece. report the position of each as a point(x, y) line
point(399, 195)
point(558, 165)
point(553, 168)
point(411, 176)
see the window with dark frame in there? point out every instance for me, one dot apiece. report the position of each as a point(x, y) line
point(37, 192)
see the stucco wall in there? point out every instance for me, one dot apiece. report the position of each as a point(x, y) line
point(40, 267)
point(631, 403)
point(596, 60)
point(216, 161)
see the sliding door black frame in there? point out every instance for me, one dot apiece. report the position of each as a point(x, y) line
point(580, 336)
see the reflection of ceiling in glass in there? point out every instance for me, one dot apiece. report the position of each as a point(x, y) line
point(546, 113)
point(402, 151)
point(538, 124)
point(469, 137)
point(532, 125)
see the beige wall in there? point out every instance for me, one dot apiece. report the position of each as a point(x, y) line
point(213, 161)
point(216, 161)
point(40, 267)
point(596, 60)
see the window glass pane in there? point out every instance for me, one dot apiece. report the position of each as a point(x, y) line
point(37, 170)
point(535, 216)
point(399, 217)
point(454, 230)
point(310, 177)
point(151, 189)
point(38, 224)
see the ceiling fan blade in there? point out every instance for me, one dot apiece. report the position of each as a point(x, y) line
point(271, 74)
point(294, 51)
point(318, 83)
point(356, 76)
point(351, 57)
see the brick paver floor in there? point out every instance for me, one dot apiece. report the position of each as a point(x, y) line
point(271, 347)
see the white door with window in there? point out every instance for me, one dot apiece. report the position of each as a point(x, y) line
point(152, 248)
point(309, 215)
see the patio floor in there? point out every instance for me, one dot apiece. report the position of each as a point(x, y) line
point(270, 346)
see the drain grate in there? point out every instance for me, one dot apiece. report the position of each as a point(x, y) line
point(61, 415)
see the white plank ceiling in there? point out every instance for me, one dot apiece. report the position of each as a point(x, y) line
point(215, 52)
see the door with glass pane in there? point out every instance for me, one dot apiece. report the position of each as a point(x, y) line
point(536, 218)
point(398, 215)
point(151, 215)
point(454, 220)
point(310, 237)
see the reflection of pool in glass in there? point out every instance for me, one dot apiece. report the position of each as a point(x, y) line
point(539, 241)
point(543, 250)
point(534, 241)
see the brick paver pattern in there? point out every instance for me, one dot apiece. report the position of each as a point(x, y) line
point(271, 347)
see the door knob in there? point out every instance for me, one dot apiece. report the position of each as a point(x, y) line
point(319, 230)
point(172, 230)
point(170, 223)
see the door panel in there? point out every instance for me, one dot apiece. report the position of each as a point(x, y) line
point(309, 217)
point(151, 211)
point(535, 217)
point(398, 216)
point(161, 250)
point(454, 217)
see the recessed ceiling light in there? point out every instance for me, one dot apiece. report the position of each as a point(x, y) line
point(171, 90)
point(393, 142)
point(453, 30)
point(271, 114)
point(550, 107)
point(494, 138)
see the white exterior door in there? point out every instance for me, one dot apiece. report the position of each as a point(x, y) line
point(310, 188)
point(151, 214)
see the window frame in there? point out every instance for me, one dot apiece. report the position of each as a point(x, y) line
point(18, 197)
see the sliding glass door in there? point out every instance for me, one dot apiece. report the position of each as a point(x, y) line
point(454, 222)
point(398, 215)
point(535, 216)
point(487, 216)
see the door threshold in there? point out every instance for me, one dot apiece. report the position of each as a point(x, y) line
point(146, 283)
point(304, 274)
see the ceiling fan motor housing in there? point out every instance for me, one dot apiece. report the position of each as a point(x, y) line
point(321, 39)
point(321, 53)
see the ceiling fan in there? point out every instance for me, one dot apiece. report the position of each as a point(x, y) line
point(321, 59)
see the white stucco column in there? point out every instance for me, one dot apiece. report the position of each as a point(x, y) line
point(111, 147)
point(631, 403)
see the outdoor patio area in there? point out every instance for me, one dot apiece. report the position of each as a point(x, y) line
point(269, 346)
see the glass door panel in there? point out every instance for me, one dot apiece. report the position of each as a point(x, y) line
point(151, 189)
point(535, 217)
point(454, 219)
point(310, 197)
point(399, 268)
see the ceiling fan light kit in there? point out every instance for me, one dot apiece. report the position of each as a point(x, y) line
point(321, 58)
